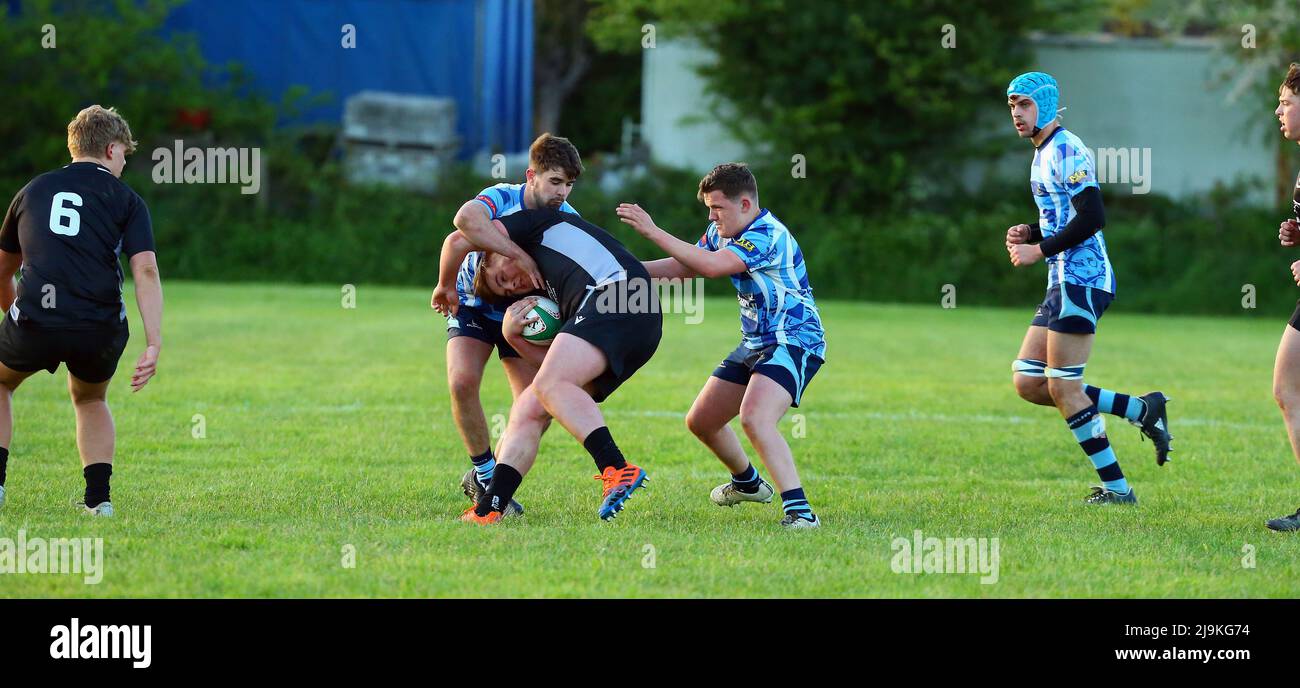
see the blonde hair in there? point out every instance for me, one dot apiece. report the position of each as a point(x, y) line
point(95, 129)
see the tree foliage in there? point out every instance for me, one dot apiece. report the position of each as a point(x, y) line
point(66, 55)
point(875, 96)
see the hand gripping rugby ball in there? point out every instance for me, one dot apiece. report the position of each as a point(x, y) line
point(542, 330)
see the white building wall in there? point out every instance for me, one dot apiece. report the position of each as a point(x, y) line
point(1169, 98)
point(675, 118)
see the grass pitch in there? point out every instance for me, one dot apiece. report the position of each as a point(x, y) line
point(286, 437)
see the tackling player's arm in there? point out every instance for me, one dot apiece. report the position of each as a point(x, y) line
point(454, 249)
point(668, 268)
point(149, 299)
point(700, 260)
point(519, 314)
point(474, 221)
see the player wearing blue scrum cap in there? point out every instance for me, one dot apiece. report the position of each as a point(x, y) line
point(1080, 285)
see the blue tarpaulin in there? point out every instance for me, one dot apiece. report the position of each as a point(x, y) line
point(478, 52)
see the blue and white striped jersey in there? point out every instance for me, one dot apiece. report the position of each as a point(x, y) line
point(776, 300)
point(500, 200)
point(1063, 167)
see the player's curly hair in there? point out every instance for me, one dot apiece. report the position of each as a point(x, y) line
point(96, 128)
point(1292, 80)
point(551, 152)
point(731, 178)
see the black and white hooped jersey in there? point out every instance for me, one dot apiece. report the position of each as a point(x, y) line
point(574, 256)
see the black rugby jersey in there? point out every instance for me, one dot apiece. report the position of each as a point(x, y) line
point(71, 225)
point(573, 255)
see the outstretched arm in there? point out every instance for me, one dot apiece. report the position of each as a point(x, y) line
point(702, 261)
point(668, 268)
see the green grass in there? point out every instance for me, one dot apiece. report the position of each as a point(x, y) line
point(328, 427)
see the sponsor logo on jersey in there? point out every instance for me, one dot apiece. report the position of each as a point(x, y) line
point(745, 244)
point(1078, 176)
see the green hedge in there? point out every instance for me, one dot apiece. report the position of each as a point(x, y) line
point(1169, 257)
point(308, 225)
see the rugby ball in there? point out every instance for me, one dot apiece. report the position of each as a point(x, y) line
point(542, 330)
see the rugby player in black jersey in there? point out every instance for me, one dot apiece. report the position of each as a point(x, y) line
point(66, 230)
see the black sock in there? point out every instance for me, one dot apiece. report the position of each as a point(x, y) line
point(504, 483)
point(484, 458)
point(602, 448)
point(4, 464)
point(97, 475)
point(747, 481)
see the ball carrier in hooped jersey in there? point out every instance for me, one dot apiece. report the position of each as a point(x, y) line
point(1080, 285)
point(583, 268)
point(474, 326)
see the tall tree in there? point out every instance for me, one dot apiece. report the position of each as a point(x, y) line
point(562, 55)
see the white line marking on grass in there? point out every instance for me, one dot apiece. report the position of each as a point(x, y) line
point(913, 416)
point(958, 418)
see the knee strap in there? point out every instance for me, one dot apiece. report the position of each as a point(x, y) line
point(1029, 367)
point(1074, 372)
